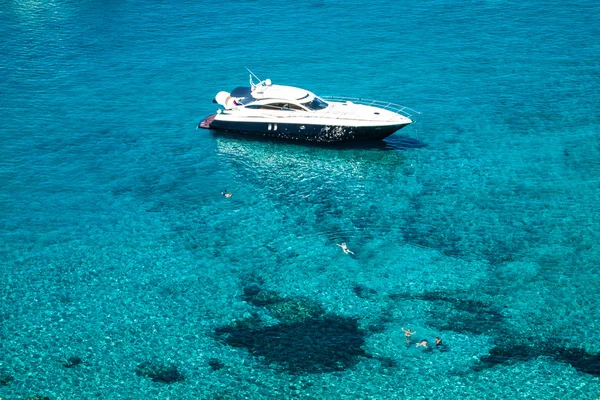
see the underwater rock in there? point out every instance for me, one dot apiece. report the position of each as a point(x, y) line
point(5, 380)
point(506, 353)
point(363, 292)
point(314, 345)
point(579, 359)
point(159, 373)
point(285, 309)
point(216, 364)
point(64, 299)
point(250, 291)
point(388, 362)
point(71, 362)
point(293, 311)
point(376, 327)
point(261, 298)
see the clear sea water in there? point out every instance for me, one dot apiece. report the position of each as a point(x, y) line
point(479, 224)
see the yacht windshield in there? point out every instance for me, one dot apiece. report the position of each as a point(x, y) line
point(316, 104)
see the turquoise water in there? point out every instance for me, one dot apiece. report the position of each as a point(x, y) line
point(478, 224)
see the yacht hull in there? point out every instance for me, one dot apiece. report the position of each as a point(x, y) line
point(303, 132)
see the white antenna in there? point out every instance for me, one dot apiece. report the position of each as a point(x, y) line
point(252, 75)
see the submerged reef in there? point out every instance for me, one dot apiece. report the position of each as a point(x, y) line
point(285, 309)
point(71, 362)
point(451, 312)
point(315, 345)
point(507, 353)
point(306, 339)
point(216, 364)
point(5, 379)
point(159, 372)
point(504, 354)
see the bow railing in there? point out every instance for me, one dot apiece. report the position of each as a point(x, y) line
point(397, 108)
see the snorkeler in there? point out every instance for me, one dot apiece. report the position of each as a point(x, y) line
point(422, 343)
point(226, 193)
point(345, 248)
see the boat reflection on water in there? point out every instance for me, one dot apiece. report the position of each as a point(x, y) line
point(344, 168)
point(396, 142)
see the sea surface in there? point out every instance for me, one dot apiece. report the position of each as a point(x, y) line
point(125, 274)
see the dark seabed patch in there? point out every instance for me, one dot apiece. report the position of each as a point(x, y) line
point(159, 372)
point(364, 292)
point(216, 364)
point(307, 340)
point(507, 353)
point(5, 379)
point(451, 312)
point(504, 355)
point(71, 362)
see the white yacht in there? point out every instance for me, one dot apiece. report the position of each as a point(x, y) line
point(288, 112)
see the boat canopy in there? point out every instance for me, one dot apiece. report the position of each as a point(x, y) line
point(265, 90)
point(241, 91)
point(281, 92)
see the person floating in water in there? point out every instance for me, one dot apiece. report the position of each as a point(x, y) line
point(408, 333)
point(422, 343)
point(438, 342)
point(345, 248)
point(226, 193)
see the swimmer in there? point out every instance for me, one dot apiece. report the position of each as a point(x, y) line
point(438, 341)
point(422, 343)
point(408, 333)
point(345, 248)
point(226, 193)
